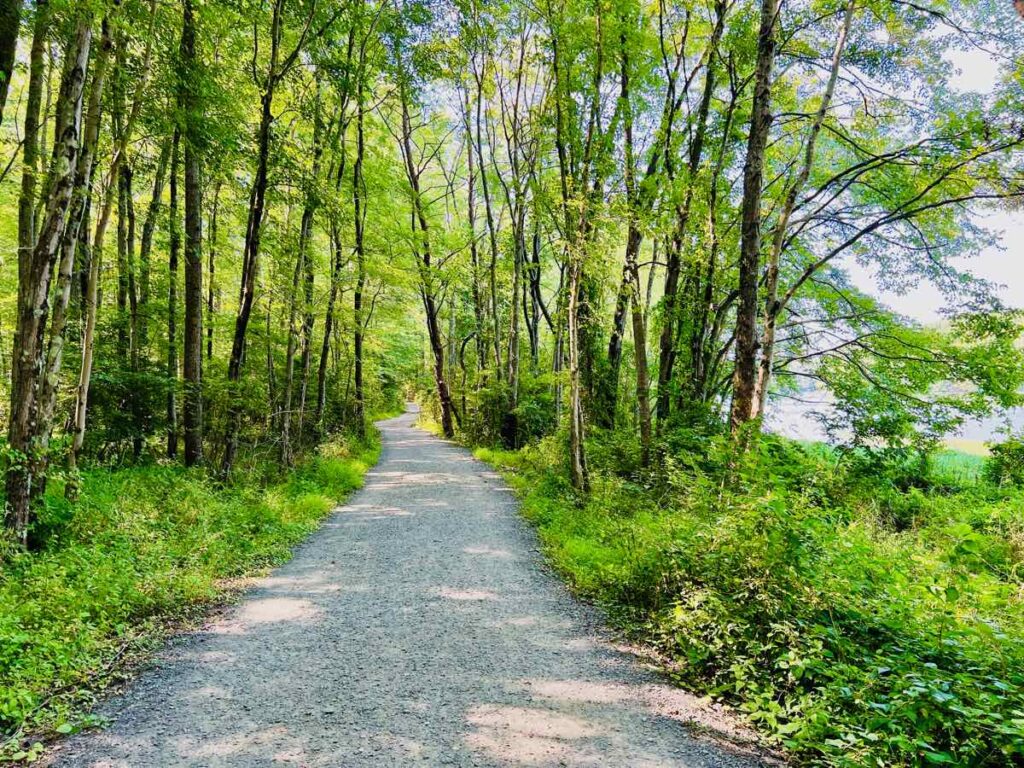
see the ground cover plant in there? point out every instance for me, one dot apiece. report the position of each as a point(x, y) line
point(853, 620)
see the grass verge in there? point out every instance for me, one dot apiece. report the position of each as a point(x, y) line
point(144, 550)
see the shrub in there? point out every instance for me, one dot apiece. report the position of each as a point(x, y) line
point(1006, 464)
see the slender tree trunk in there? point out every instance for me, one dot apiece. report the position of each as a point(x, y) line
point(608, 384)
point(123, 319)
point(474, 247)
point(27, 432)
point(289, 364)
point(73, 240)
point(745, 373)
point(10, 20)
point(253, 235)
point(536, 300)
point(193, 340)
point(310, 207)
point(492, 229)
point(674, 245)
point(773, 307)
point(510, 423)
point(577, 455)
point(271, 370)
point(673, 261)
point(96, 258)
point(146, 244)
point(426, 270)
point(30, 155)
point(172, 303)
point(359, 215)
point(338, 262)
point(135, 352)
point(211, 270)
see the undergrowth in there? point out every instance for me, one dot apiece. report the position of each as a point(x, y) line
point(858, 613)
point(142, 549)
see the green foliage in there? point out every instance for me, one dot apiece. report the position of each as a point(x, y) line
point(533, 416)
point(1006, 464)
point(142, 547)
point(856, 616)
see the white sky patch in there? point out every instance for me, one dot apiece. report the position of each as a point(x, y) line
point(977, 71)
point(1003, 265)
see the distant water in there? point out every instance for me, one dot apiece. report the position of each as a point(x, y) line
point(796, 418)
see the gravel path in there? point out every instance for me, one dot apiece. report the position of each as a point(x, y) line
point(418, 626)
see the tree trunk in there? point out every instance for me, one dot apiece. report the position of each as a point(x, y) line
point(608, 384)
point(577, 455)
point(253, 235)
point(91, 291)
point(492, 229)
point(745, 373)
point(72, 240)
point(134, 352)
point(359, 215)
point(325, 345)
point(27, 432)
point(474, 247)
point(211, 270)
point(10, 19)
point(289, 364)
point(308, 280)
point(146, 244)
point(426, 270)
point(193, 349)
point(172, 304)
point(510, 422)
point(30, 156)
point(773, 307)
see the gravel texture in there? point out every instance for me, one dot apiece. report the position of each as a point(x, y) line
point(418, 626)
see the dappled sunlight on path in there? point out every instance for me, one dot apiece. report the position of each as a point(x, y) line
point(419, 626)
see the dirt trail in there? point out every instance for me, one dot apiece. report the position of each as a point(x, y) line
point(418, 626)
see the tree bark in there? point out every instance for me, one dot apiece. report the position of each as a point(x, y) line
point(492, 229)
point(28, 432)
point(359, 216)
point(211, 270)
point(773, 307)
point(193, 338)
point(310, 207)
point(96, 257)
point(474, 246)
point(745, 372)
point(253, 235)
point(76, 237)
point(10, 22)
point(286, 453)
point(146, 244)
point(578, 472)
point(426, 270)
point(673, 263)
point(172, 302)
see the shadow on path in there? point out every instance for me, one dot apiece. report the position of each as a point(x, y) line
point(416, 627)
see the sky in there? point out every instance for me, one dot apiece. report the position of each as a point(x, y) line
point(1002, 264)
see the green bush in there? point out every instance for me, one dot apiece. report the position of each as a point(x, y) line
point(1006, 464)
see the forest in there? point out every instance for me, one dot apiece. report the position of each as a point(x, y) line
point(600, 242)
